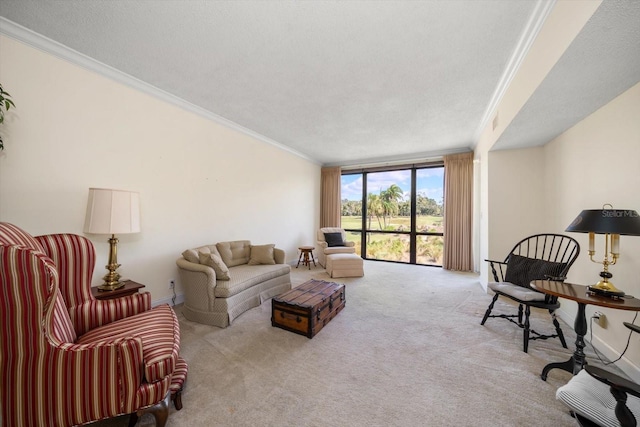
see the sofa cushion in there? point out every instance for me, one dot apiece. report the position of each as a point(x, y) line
point(214, 261)
point(522, 271)
point(159, 331)
point(234, 253)
point(246, 276)
point(262, 254)
point(192, 255)
point(333, 239)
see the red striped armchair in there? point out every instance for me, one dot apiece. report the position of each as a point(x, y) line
point(67, 358)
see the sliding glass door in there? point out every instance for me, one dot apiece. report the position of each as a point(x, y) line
point(395, 215)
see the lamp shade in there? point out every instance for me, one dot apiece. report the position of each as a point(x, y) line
point(112, 212)
point(607, 221)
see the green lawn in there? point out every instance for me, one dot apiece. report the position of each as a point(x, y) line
point(399, 223)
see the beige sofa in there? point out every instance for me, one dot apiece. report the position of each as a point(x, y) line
point(224, 280)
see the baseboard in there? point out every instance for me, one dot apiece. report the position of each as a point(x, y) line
point(604, 349)
point(169, 300)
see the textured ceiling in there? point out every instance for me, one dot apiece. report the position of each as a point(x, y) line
point(602, 62)
point(340, 82)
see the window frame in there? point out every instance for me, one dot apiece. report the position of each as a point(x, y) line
point(412, 233)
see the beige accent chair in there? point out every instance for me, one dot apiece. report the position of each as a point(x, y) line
point(324, 249)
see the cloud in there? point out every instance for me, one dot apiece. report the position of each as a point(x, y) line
point(380, 181)
point(430, 180)
point(432, 193)
point(351, 188)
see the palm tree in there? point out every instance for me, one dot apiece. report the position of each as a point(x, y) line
point(374, 207)
point(390, 199)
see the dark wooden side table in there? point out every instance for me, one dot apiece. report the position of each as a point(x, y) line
point(306, 256)
point(130, 287)
point(578, 293)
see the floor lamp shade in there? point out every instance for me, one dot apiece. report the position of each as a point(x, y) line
point(112, 212)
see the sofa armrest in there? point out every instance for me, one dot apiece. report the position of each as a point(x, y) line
point(94, 313)
point(278, 256)
point(198, 284)
point(196, 268)
point(117, 362)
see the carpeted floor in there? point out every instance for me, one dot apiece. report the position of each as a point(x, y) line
point(407, 350)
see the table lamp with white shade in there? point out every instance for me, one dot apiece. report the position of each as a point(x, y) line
point(112, 212)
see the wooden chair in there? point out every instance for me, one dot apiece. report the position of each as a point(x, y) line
point(541, 256)
point(598, 397)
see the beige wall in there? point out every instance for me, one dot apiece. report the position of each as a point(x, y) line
point(518, 206)
point(597, 162)
point(200, 182)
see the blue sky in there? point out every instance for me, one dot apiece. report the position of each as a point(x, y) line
point(429, 183)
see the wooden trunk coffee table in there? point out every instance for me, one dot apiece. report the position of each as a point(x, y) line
point(307, 308)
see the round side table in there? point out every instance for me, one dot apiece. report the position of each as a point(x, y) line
point(306, 256)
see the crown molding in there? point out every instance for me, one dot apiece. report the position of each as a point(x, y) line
point(534, 25)
point(399, 160)
point(47, 45)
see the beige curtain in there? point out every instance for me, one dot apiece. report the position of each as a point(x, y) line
point(458, 207)
point(330, 203)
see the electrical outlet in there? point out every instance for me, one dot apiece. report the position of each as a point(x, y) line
point(600, 319)
point(172, 284)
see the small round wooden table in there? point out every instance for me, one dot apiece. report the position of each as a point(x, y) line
point(579, 294)
point(306, 256)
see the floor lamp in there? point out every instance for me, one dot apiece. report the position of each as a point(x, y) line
point(112, 212)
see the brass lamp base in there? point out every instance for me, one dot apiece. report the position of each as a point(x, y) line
point(605, 288)
point(106, 287)
point(112, 278)
point(111, 282)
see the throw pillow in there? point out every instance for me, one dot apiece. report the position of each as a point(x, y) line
point(262, 254)
point(522, 270)
point(191, 255)
point(214, 261)
point(333, 239)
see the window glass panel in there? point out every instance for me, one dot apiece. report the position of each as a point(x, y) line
point(388, 247)
point(429, 250)
point(355, 238)
point(429, 200)
point(388, 194)
point(351, 191)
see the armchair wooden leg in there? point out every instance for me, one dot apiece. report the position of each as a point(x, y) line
point(160, 412)
point(527, 312)
point(177, 399)
point(488, 312)
point(520, 314)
